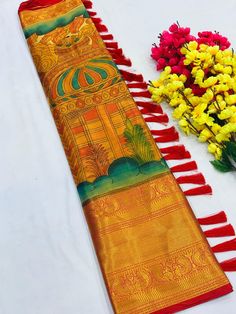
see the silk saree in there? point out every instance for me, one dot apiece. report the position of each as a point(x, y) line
point(152, 252)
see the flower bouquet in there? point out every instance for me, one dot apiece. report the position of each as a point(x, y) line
point(198, 80)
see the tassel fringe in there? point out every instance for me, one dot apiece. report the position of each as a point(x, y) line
point(213, 219)
point(201, 190)
point(224, 231)
point(225, 246)
point(130, 77)
point(149, 107)
point(197, 178)
point(229, 265)
point(162, 118)
point(188, 166)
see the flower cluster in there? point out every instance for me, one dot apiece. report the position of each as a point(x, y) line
point(167, 53)
point(203, 93)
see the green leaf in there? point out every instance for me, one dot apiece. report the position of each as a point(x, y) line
point(231, 149)
point(138, 142)
point(221, 166)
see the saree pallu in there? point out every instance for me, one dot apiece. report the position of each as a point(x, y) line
point(152, 252)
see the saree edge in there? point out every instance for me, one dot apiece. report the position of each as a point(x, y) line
point(219, 292)
point(36, 4)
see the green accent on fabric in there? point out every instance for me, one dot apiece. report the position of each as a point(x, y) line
point(60, 90)
point(122, 173)
point(100, 71)
point(138, 143)
point(42, 28)
point(89, 79)
point(75, 82)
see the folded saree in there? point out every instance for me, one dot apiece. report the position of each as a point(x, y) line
point(152, 252)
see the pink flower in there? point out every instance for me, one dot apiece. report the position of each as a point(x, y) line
point(173, 28)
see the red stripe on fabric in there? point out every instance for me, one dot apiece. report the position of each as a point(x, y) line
point(37, 4)
point(197, 300)
point(213, 219)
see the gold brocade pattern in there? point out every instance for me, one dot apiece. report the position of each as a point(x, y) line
point(150, 247)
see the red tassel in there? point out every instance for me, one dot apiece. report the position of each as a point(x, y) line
point(176, 156)
point(141, 85)
point(96, 20)
point(188, 166)
point(88, 4)
point(225, 246)
point(229, 265)
point(129, 76)
point(197, 178)
point(166, 131)
point(224, 231)
point(145, 94)
point(174, 137)
point(107, 37)
point(92, 13)
point(201, 190)
point(122, 61)
point(149, 107)
point(116, 52)
point(111, 44)
point(162, 118)
point(173, 149)
point(213, 219)
point(101, 28)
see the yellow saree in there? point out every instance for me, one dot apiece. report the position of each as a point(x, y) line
point(153, 255)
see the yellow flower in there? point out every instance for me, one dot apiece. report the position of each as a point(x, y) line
point(198, 110)
point(225, 114)
point(228, 128)
point(215, 149)
point(213, 50)
point(215, 128)
point(231, 99)
point(210, 81)
point(220, 137)
point(205, 135)
point(204, 118)
point(180, 110)
point(184, 126)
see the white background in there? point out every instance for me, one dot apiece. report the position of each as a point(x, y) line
point(47, 262)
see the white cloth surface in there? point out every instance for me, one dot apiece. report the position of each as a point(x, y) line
point(47, 261)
